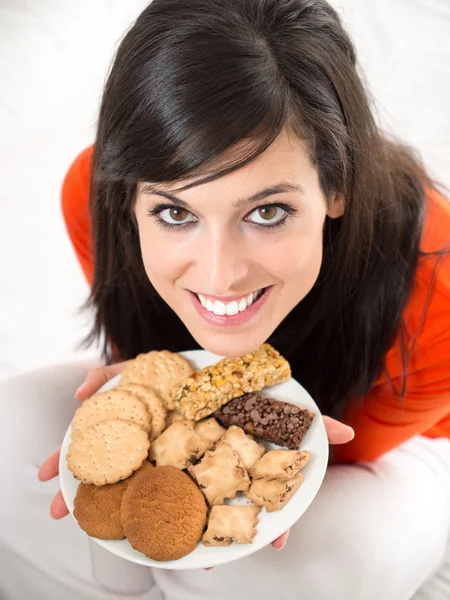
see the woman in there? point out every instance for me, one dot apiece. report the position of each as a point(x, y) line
point(240, 191)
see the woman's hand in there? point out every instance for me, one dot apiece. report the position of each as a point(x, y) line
point(50, 468)
point(338, 433)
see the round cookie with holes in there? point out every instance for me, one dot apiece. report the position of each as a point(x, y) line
point(159, 370)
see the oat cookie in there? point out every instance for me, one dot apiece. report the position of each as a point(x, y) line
point(220, 474)
point(163, 514)
point(279, 464)
point(273, 494)
point(229, 524)
point(207, 390)
point(248, 450)
point(108, 452)
point(179, 446)
point(159, 370)
point(154, 404)
point(105, 406)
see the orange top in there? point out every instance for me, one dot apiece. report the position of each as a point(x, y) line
point(381, 421)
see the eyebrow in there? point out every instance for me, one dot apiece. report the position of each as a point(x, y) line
point(270, 191)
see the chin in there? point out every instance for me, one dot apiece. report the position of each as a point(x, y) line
point(230, 345)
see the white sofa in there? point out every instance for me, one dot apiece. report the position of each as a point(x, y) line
point(54, 55)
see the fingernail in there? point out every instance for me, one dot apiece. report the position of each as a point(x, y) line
point(80, 389)
point(351, 431)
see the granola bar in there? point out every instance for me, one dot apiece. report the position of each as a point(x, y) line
point(207, 390)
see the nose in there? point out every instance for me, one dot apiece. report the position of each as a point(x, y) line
point(223, 261)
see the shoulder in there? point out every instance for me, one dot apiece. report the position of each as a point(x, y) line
point(426, 316)
point(75, 209)
point(75, 188)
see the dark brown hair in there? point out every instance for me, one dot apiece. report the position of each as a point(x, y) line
point(189, 81)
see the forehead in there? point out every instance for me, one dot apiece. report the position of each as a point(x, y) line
point(286, 160)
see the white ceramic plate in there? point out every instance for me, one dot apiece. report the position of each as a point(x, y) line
point(270, 526)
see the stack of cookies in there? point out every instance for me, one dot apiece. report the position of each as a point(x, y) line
point(161, 454)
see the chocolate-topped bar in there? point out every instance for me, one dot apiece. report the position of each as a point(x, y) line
point(272, 420)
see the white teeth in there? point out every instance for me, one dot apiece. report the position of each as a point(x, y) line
point(232, 308)
point(219, 308)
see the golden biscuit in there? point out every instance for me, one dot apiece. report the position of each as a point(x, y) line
point(108, 452)
point(105, 406)
point(163, 514)
point(154, 404)
point(159, 370)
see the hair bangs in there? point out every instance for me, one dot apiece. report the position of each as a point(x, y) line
point(181, 119)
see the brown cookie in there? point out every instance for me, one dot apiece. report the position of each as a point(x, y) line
point(273, 494)
point(173, 416)
point(163, 514)
point(231, 524)
point(97, 509)
point(154, 404)
point(105, 406)
point(159, 370)
point(279, 464)
point(108, 452)
point(247, 449)
point(220, 474)
point(210, 430)
point(179, 446)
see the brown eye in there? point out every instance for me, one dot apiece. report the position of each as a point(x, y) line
point(268, 216)
point(178, 214)
point(267, 212)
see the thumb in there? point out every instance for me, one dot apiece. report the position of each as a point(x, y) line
point(96, 378)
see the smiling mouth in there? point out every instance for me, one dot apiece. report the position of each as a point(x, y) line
point(232, 308)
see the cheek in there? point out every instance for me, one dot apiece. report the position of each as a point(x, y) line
point(162, 261)
point(297, 260)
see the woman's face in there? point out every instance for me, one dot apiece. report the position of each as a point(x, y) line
point(234, 256)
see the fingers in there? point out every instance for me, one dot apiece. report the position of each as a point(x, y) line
point(96, 378)
point(280, 542)
point(337, 432)
point(50, 468)
point(58, 508)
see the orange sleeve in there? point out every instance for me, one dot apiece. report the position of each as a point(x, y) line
point(381, 420)
point(75, 208)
